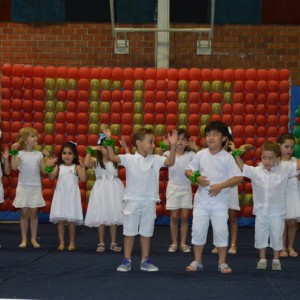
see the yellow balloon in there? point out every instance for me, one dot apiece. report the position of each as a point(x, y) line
point(61, 84)
point(50, 83)
point(90, 174)
point(72, 84)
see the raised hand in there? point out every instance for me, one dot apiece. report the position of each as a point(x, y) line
point(106, 131)
point(173, 138)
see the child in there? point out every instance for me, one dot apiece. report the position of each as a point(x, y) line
point(234, 205)
point(29, 196)
point(287, 143)
point(218, 172)
point(179, 193)
point(269, 184)
point(105, 202)
point(141, 193)
point(66, 202)
point(4, 159)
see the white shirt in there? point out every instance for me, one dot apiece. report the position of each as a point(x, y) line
point(177, 171)
point(142, 176)
point(217, 168)
point(29, 168)
point(269, 187)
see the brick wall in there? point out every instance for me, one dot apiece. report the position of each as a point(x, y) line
point(78, 44)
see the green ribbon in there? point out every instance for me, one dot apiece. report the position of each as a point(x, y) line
point(90, 150)
point(237, 152)
point(49, 169)
point(194, 176)
point(109, 143)
point(13, 152)
point(163, 146)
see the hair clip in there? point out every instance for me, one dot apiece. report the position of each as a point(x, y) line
point(73, 143)
point(101, 138)
point(229, 130)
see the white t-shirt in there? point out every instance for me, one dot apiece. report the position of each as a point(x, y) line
point(142, 176)
point(29, 168)
point(269, 187)
point(217, 168)
point(177, 171)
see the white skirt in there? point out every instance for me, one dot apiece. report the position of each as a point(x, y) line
point(29, 196)
point(105, 203)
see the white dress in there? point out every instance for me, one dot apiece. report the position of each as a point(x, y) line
point(106, 198)
point(1, 187)
point(29, 189)
point(66, 202)
point(293, 197)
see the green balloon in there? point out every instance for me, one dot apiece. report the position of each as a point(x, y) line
point(50, 106)
point(49, 117)
point(94, 95)
point(297, 150)
point(95, 84)
point(297, 132)
point(297, 112)
point(138, 96)
point(182, 108)
point(50, 95)
point(182, 97)
point(72, 84)
point(50, 83)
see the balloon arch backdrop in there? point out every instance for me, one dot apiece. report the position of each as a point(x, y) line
point(69, 104)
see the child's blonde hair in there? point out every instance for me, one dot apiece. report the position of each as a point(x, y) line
point(23, 134)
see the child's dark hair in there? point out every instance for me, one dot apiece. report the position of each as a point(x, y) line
point(73, 147)
point(271, 146)
point(140, 134)
point(284, 137)
point(219, 127)
point(186, 135)
point(99, 157)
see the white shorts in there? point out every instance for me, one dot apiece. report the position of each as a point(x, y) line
point(139, 218)
point(179, 196)
point(201, 218)
point(269, 228)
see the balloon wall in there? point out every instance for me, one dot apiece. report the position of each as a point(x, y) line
point(69, 104)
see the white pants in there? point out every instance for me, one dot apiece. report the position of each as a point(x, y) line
point(201, 218)
point(269, 228)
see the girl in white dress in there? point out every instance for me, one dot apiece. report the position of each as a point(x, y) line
point(29, 195)
point(179, 192)
point(105, 202)
point(66, 203)
point(4, 161)
point(287, 143)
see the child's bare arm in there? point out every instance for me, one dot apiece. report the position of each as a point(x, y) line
point(53, 174)
point(15, 160)
point(172, 140)
point(124, 145)
point(81, 171)
point(89, 161)
point(111, 155)
point(6, 164)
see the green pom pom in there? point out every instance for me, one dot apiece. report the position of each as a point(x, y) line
point(163, 146)
point(194, 177)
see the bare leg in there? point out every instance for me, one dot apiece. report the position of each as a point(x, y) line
point(34, 221)
point(174, 225)
point(198, 251)
point(61, 234)
point(101, 233)
point(222, 255)
point(184, 215)
point(233, 228)
point(128, 246)
point(72, 233)
point(276, 254)
point(113, 233)
point(262, 253)
point(24, 225)
point(284, 235)
point(291, 232)
point(145, 246)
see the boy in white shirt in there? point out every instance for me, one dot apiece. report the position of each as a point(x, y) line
point(269, 184)
point(218, 172)
point(141, 193)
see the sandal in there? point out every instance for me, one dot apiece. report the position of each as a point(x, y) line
point(292, 252)
point(101, 247)
point(283, 253)
point(114, 247)
point(72, 248)
point(23, 245)
point(173, 248)
point(35, 245)
point(194, 266)
point(224, 268)
point(185, 248)
point(262, 264)
point(232, 249)
point(214, 251)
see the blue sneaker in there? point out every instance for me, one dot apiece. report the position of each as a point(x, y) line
point(125, 266)
point(148, 266)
